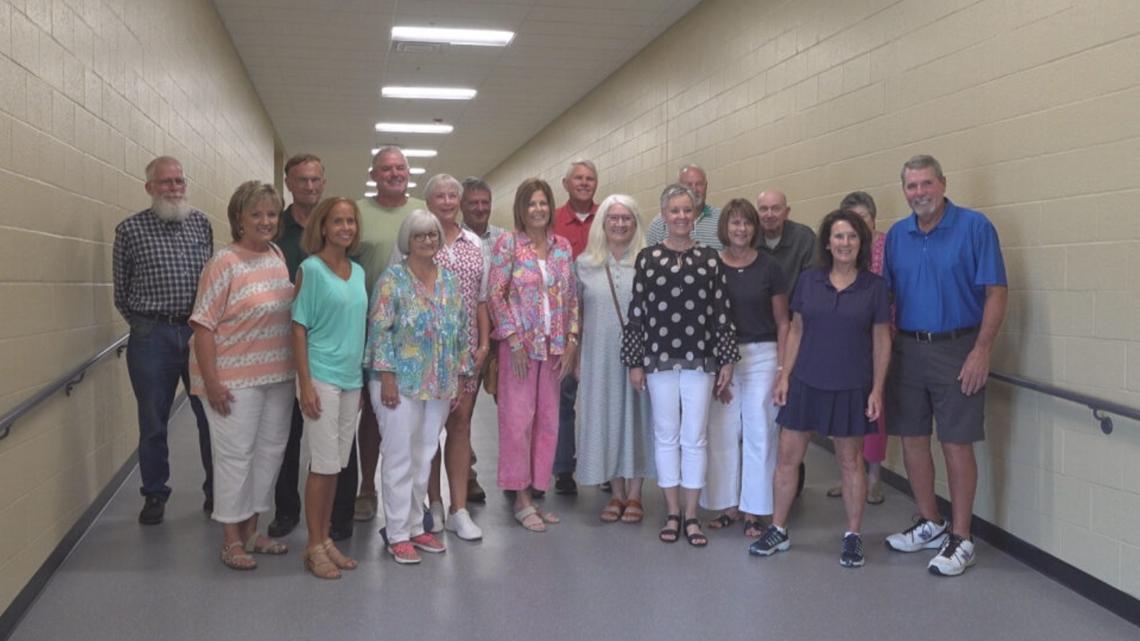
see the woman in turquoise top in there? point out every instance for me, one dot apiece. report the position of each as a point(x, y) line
point(416, 356)
point(329, 313)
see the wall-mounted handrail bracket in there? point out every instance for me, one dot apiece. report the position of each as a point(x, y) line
point(1105, 420)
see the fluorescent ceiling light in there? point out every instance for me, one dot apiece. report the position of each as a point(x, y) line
point(416, 171)
point(476, 37)
point(411, 185)
point(428, 93)
point(411, 153)
point(369, 194)
point(413, 128)
point(370, 183)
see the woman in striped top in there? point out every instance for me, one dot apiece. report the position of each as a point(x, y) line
point(242, 364)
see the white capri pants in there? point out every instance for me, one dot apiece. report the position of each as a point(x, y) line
point(331, 435)
point(748, 420)
point(679, 403)
point(248, 446)
point(409, 438)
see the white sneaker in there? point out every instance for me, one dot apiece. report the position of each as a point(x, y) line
point(956, 555)
point(436, 517)
point(463, 526)
point(923, 535)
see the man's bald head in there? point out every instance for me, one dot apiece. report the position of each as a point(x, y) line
point(772, 205)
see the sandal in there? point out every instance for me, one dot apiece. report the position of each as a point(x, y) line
point(529, 518)
point(634, 512)
point(612, 512)
point(235, 557)
point(672, 530)
point(696, 539)
point(753, 528)
point(318, 563)
point(547, 517)
point(258, 544)
point(337, 557)
point(723, 520)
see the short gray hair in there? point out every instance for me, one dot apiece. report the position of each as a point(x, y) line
point(692, 167)
point(674, 190)
point(152, 166)
point(474, 183)
point(922, 161)
point(388, 149)
point(581, 162)
point(439, 181)
point(418, 222)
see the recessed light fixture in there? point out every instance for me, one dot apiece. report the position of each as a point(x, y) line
point(411, 185)
point(370, 183)
point(369, 194)
point(416, 171)
point(413, 128)
point(475, 37)
point(411, 153)
point(428, 93)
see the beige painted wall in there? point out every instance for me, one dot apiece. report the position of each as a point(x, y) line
point(90, 91)
point(1031, 107)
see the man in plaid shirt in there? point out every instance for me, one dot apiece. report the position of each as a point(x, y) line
point(159, 254)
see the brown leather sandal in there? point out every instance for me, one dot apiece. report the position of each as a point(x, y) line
point(235, 557)
point(612, 511)
point(337, 557)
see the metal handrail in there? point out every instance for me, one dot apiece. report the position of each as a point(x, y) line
point(67, 382)
point(1098, 405)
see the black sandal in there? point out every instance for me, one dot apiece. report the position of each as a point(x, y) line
point(671, 531)
point(753, 528)
point(696, 539)
point(721, 521)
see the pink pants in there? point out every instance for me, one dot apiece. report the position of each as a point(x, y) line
point(875, 445)
point(528, 422)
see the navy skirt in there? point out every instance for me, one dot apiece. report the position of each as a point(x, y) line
point(829, 413)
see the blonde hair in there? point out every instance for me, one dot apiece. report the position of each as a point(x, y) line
point(247, 196)
point(596, 246)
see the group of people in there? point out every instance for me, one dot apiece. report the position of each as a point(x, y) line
point(705, 352)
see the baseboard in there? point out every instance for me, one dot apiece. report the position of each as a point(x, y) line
point(1086, 585)
point(27, 596)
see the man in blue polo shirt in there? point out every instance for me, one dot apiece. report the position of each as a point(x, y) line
point(944, 265)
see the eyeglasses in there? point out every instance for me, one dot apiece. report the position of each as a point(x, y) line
point(427, 236)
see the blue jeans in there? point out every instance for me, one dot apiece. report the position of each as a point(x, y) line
point(565, 456)
point(157, 359)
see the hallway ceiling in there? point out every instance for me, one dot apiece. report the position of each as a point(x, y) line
point(318, 66)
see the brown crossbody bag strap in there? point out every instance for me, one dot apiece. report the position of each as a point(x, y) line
point(613, 294)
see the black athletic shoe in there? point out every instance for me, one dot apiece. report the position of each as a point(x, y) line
point(773, 541)
point(565, 485)
point(852, 554)
point(153, 510)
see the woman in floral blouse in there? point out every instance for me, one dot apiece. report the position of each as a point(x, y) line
point(533, 299)
point(418, 360)
point(680, 345)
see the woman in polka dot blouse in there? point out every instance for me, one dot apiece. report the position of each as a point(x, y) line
point(680, 345)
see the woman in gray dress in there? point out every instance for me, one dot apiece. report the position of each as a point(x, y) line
point(616, 437)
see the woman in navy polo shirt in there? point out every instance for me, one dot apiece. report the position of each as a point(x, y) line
point(836, 364)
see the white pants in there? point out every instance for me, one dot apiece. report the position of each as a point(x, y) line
point(409, 438)
point(679, 403)
point(248, 446)
point(749, 418)
point(330, 436)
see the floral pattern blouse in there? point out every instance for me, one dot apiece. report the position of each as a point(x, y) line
point(680, 316)
point(418, 333)
point(516, 287)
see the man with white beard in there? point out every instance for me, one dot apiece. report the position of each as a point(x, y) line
point(158, 255)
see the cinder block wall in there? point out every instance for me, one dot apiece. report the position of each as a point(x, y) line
point(1030, 106)
point(90, 91)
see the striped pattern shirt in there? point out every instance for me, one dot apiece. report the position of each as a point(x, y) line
point(704, 229)
point(245, 299)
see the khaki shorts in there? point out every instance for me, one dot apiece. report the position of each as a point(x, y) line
point(923, 389)
point(330, 436)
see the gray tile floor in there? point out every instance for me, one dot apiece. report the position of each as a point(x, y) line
point(581, 580)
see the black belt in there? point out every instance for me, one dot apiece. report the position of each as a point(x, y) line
point(165, 319)
point(934, 337)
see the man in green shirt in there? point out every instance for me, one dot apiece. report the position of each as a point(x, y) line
point(380, 218)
